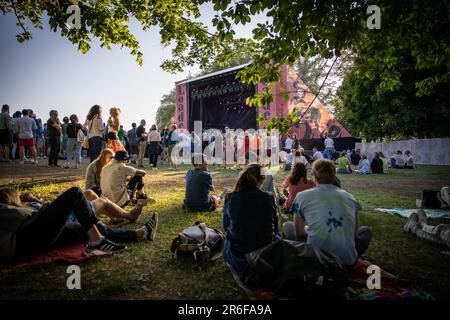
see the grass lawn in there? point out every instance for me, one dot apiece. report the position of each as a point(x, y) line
point(146, 270)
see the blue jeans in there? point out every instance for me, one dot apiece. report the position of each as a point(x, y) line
point(116, 234)
point(47, 226)
point(238, 264)
point(328, 153)
point(393, 162)
point(73, 150)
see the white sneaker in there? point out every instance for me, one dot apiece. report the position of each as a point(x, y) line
point(412, 224)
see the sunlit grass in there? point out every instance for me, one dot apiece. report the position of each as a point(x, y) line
point(147, 270)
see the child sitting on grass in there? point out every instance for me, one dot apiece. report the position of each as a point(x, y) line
point(198, 185)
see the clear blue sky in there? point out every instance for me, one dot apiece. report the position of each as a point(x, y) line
point(48, 72)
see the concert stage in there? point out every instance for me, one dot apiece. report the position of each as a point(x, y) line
point(218, 100)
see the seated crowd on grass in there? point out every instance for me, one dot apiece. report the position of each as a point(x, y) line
point(323, 214)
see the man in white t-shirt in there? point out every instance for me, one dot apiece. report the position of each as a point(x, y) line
point(399, 160)
point(331, 215)
point(317, 154)
point(300, 158)
point(26, 127)
point(288, 144)
point(114, 181)
point(329, 145)
point(289, 161)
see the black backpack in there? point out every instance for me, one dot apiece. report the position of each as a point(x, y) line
point(294, 269)
point(199, 241)
point(430, 199)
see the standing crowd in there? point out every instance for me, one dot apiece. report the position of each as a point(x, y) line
point(27, 139)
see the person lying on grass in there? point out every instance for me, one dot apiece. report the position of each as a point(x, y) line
point(331, 215)
point(25, 231)
point(417, 224)
point(119, 182)
point(199, 184)
point(249, 218)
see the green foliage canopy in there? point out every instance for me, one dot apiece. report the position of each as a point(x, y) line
point(166, 109)
point(413, 28)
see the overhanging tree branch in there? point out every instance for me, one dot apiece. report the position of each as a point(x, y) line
point(318, 92)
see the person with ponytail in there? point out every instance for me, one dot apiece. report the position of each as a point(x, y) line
point(249, 218)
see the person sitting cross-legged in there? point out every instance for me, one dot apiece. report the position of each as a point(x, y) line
point(398, 161)
point(25, 231)
point(343, 164)
point(376, 166)
point(199, 184)
point(332, 217)
point(364, 165)
point(409, 162)
point(249, 217)
point(119, 182)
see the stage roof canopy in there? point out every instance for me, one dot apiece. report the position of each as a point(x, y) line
point(213, 74)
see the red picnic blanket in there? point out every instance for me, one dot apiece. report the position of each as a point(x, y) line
point(72, 254)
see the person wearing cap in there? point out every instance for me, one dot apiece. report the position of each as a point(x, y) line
point(119, 182)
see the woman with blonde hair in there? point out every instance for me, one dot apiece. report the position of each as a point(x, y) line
point(112, 139)
point(249, 218)
point(94, 170)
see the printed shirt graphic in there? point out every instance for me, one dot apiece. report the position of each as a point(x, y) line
point(330, 214)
